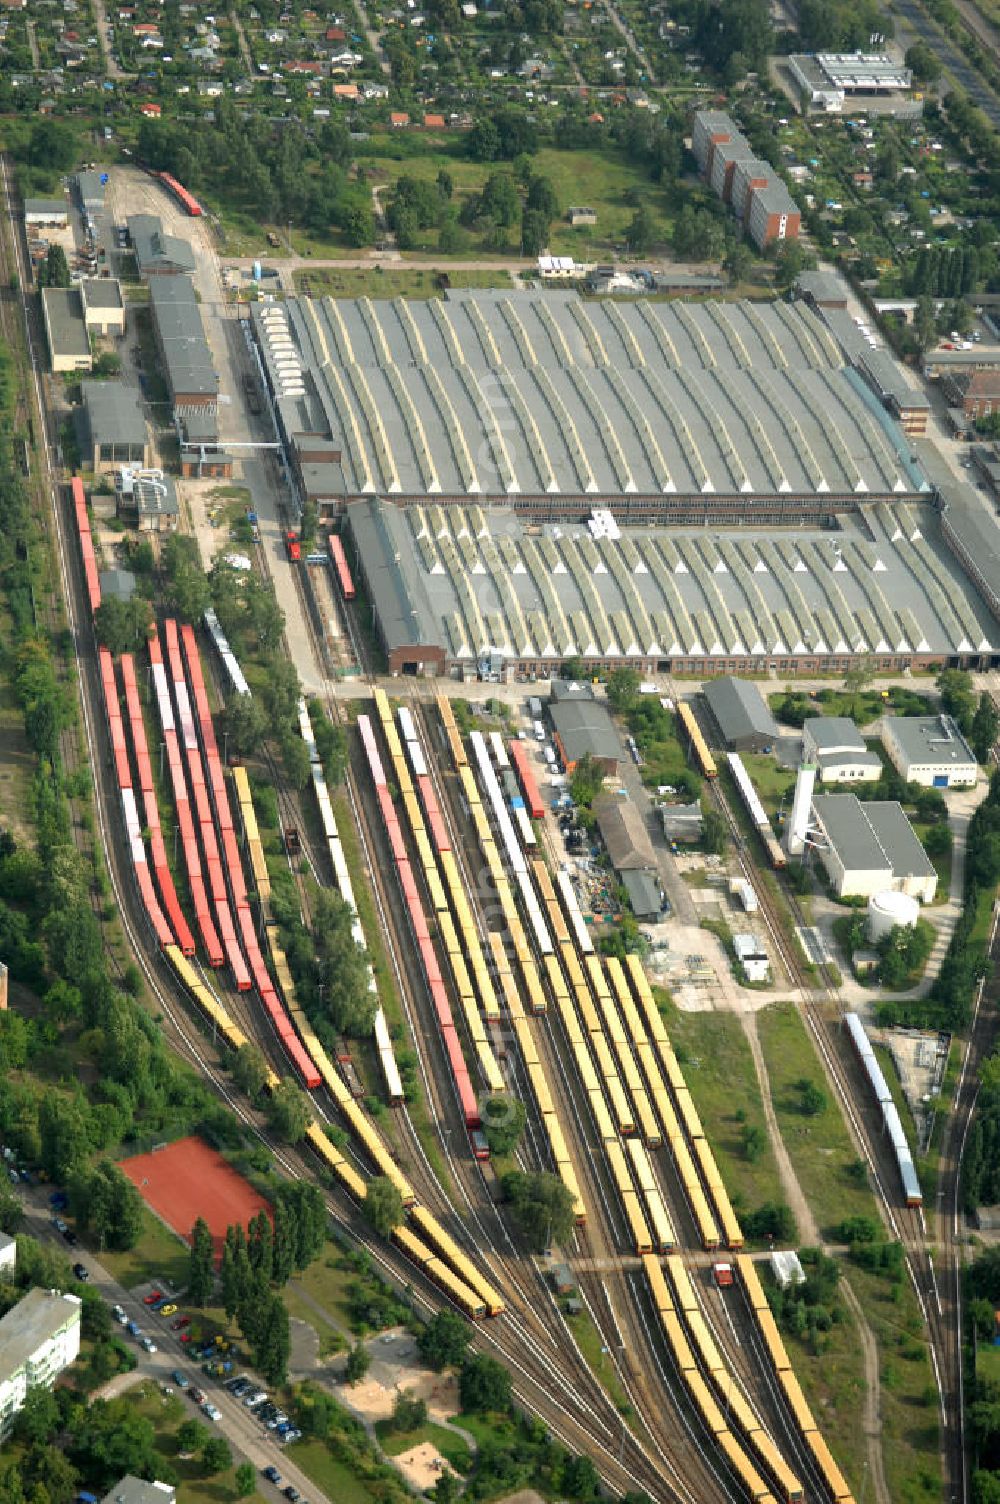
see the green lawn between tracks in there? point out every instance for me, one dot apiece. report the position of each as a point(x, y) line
point(715, 1057)
point(821, 1152)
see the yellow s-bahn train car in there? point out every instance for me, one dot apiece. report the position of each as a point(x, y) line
point(657, 1283)
point(573, 968)
point(585, 1067)
point(747, 1272)
point(753, 1484)
point(589, 1014)
point(620, 1109)
point(439, 1238)
point(773, 1341)
point(705, 1404)
point(641, 1238)
point(602, 1117)
point(557, 981)
point(660, 1224)
point(679, 1345)
point(699, 747)
point(533, 987)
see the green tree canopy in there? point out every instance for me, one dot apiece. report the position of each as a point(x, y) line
point(383, 1205)
point(541, 1206)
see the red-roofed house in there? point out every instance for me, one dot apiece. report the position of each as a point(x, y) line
point(346, 91)
point(434, 122)
point(398, 119)
point(336, 34)
point(151, 111)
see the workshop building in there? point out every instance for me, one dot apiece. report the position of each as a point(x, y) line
point(740, 712)
point(113, 431)
point(929, 750)
point(869, 848)
point(837, 749)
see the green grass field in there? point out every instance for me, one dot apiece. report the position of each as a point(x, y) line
point(833, 1382)
point(159, 1254)
point(334, 1478)
point(820, 1147)
point(390, 282)
point(719, 1071)
point(588, 1340)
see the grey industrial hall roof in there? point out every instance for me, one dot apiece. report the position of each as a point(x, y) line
point(155, 250)
point(740, 709)
point(35, 1319)
point(102, 292)
point(889, 379)
point(825, 287)
point(585, 728)
point(830, 732)
point(872, 836)
point(114, 415)
point(481, 580)
point(975, 529)
point(624, 833)
point(117, 582)
point(394, 584)
point(181, 336)
point(543, 393)
point(90, 187)
point(643, 892)
point(929, 738)
point(48, 206)
point(66, 324)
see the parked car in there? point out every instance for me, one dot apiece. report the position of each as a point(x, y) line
point(180, 1379)
point(198, 1395)
point(212, 1411)
point(82, 1272)
point(167, 1310)
point(148, 1344)
point(292, 1494)
point(180, 1323)
point(59, 1224)
point(70, 1236)
point(271, 1474)
point(133, 1329)
point(152, 1297)
point(119, 1315)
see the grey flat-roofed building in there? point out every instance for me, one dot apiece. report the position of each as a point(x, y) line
point(39, 1337)
point(406, 626)
point(838, 749)
point(132, 1490)
point(741, 714)
point(584, 728)
point(644, 893)
point(624, 833)
point(663, 411)
point(682, 822)
point(46, 211)
point(822, 288)
point(117, 582)
point(103, 305)
point(156, 252)
point(66, 329)
point(888, 381)
point(871, 847)
point(114, 428)
point(973, 533)
point(91, 191)
point(930, 750)
point(180, 336)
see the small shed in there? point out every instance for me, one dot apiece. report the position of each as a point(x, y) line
point(787, 1269)
point(644, 893)
point(562, 1279)
point(682, 822)
point(752, 957)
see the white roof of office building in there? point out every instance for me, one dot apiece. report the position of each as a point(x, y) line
point(544, 393)
point(132, 1490)
point(929, 739)
point(469, 577)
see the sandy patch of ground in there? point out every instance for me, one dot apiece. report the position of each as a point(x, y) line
point(422, 1465)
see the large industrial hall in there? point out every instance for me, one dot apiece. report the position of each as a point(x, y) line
point(552, 399)
point(454, 585)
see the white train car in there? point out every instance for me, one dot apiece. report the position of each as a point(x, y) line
point(499, 750)
point(573, 914)
point(748, 794)
point(524, 827)
point(233, 672)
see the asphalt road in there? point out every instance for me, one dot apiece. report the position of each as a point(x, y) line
point(247, 1436)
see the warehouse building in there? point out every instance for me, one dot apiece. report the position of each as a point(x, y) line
point(66, 329)
point(870, 848)
point(631, 854)
point(888, 381)
point(158, 254)
point(827, 80)
point(39, 1337)
point(103, 306)
point(835, 746)
point(720, 412)
point(90, 188)
point(582, 727)
point(184, 350)
point(971, 533)
point(113, 430)
point(929, 750)
point(46, 213)
point(741, 713)
point(457, 583)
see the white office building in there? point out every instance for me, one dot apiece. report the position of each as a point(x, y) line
point(38, 1339)
point(869, 848)
point(930, 750)
point(837, 749)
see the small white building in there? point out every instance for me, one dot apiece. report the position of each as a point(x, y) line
point(837, 749)
point(929, 750)
point(787, 1269)
point(869, 848)
point(132, 1490)
point(38, 1339)
point(52, 213)
point(8, 1256)
point(752, 957)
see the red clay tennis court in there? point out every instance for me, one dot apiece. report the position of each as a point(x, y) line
point(188, 1180)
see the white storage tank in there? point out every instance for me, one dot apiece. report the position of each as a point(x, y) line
point(888, 911)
